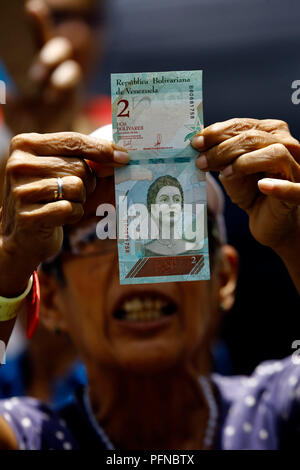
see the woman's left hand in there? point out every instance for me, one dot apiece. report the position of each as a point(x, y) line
point(259, 164)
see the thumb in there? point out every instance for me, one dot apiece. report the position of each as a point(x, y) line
point(286, 191)
point(39, 13)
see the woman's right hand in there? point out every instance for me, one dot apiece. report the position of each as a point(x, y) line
point(31, 220)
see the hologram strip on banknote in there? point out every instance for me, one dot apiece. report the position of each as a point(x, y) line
point(160, 194)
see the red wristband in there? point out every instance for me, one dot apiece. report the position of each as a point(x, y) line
point(33, 306)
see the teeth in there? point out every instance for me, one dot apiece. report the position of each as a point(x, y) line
point(133, 305)
point(143, 315)
point(148, 304)
point(146, 309)
point(159, 304)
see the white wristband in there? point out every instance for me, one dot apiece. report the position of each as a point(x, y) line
point(9, 306)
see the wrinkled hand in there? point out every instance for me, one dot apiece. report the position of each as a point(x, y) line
point(259, 168)
point(57, 76)
point(31, 219)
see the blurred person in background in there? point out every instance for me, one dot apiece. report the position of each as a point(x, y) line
point(150, 384)
point(70, 35)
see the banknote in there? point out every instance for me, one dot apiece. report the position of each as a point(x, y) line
point(160, 194)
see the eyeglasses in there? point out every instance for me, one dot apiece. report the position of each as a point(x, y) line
point(83, 241)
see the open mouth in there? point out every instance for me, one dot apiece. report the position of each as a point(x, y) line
point(146, 307)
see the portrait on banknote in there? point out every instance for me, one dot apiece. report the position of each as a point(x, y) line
point(165, 203)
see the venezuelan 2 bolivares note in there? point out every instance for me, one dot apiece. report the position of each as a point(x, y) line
point(160, 194)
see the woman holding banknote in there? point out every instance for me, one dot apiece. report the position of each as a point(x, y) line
point(147, 348)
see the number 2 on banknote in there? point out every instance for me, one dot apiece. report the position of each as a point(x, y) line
point(121, 113)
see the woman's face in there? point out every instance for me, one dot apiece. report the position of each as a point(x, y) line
point(168, 202)
point(144, 328)
point(140, 328)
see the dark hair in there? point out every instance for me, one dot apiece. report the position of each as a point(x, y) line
point(159, 183)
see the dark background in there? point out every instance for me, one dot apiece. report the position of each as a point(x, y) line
point(249, 52)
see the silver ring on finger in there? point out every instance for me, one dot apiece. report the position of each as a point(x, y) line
point(59, 192)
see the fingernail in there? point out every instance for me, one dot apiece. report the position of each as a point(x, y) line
point(227, 171)
point(202, 162)
point(198, 142)
point(66, 75)
point(121, 157)
point(56, 51)
point(267, 183)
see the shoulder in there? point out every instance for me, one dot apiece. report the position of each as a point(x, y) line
point(261, 411)
point(36, 425)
